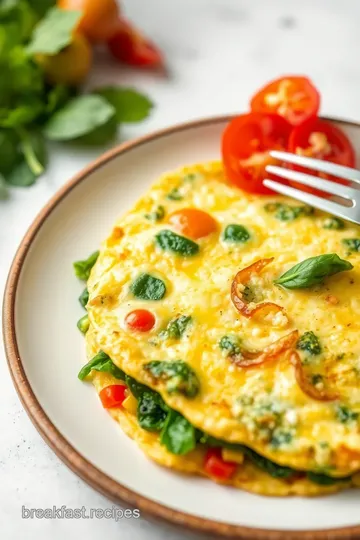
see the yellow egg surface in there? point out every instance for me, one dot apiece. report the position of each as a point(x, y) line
point(247, 476)
point(261, 406)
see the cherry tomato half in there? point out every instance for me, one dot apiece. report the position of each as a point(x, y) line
point(141, 320)
point(113, 395)
point(192, 222)
point(129, 46)
point(99, 17)
point(319, 139)
point(246, 143)
point(215, 466)
point(294, 98)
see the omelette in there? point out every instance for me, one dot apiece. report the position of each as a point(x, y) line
point(226, 324)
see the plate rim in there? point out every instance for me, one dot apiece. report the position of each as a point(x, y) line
point(73, 459)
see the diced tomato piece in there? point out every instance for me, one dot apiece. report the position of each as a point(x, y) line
point(294, 98)
point(113, 395)
point(129, 46)
point(141, 320)
point(214, 465)
point(246, 143)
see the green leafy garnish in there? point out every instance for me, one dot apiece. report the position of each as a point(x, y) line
point(83, 268)
point(236, 233)
point(80, 116)
point(334, 223)
point(285, 212)
point(54, 32)
point(156, 215)
point(230, 344)
point(129, 105)
point(325, 480)
point(312, 271)
point(345, 415)
point(176, 327)
point(31, 160)
point(83, 324)
point(84, 298)
point(101, 362)
point(352, 244)
point(178, 435)
point(180, 378)
point(151, 411)
point(148, 287)
point(136, 388)
point(170, 241)
point(310, 343)
point(174, 195)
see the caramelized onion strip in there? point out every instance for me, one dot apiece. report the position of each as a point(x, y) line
point(250, 359)
point(306, 386)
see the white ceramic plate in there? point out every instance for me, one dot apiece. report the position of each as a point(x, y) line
point(45, 351)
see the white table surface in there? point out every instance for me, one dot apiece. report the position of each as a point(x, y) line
point(218, 52)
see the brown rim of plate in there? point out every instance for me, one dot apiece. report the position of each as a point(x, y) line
point(62, 448)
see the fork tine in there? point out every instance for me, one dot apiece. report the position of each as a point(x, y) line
point(318, 165)
point(307, 198)
point(313, 181)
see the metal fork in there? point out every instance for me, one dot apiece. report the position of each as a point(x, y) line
point(348, 208)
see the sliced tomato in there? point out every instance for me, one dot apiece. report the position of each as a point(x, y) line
point(215, 466)
point(129, 46)
point(113, 395)
point(141, 320)
point(319, 139)
point(246, 143)
point(294, 98)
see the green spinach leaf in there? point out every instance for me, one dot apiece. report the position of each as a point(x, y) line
point(178, 435)
point(83, 324)
point(324, 479)
point(83, 268)
point(176, 327)
point(148, 287)
point(136, 388)
point(169, 241)
point(151, 411)
point(180, 378)
point(312, 271)
point(101, 362)
point(84, 297)
point(54, 32)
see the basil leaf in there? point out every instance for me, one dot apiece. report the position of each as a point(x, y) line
point(101, 362)
point(130, 105)
point(148, 287)
point(169, 241)
point(312, 271)
point(236, 233)
point(353, 244)
point(80, 116)
point(151, 411)
point(180, 378)
point(176, 327)
point(83, 268)
point(83, 324)
point(84, 298)
point(54, 31)
point(178, 435)
point(309, 342)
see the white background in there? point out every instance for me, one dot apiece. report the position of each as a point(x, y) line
point(218, 53)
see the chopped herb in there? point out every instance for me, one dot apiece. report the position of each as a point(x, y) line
point(156, 215)
point(334, 223)
point(84, 298)
point(310, 343)
point(312, 271)
point(178, 435)
point(174, 195)
point(83, 268)
point(148, 287)
point(101, 362)
point(345, 415)
point(230, 344)
point(316, 379)
point(236, 233)
point(285, 212)
point(180, 378)
point(169, 241)
point(83, 324)
point(340, 356)
point(353, 244)
point(176, 327)
point(280, 438)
